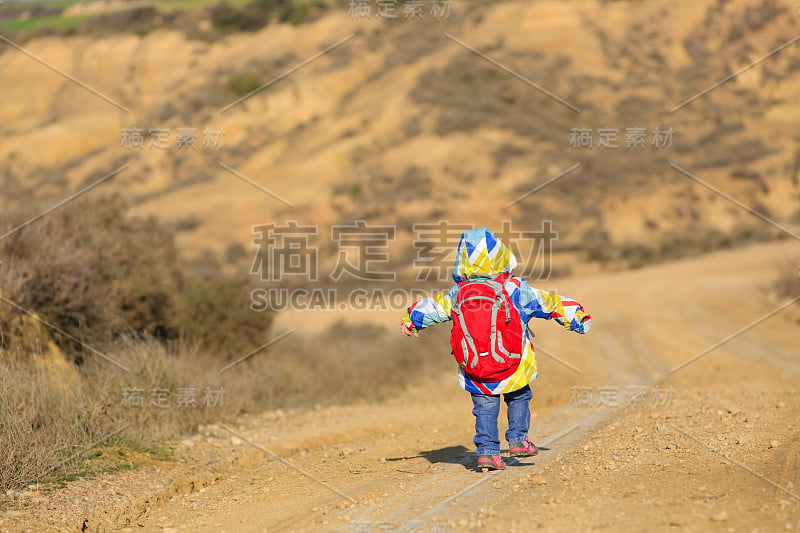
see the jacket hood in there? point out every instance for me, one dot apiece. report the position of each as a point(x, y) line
point(481, 254)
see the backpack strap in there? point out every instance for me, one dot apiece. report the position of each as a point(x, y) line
point(506, 301)
point(500, 301)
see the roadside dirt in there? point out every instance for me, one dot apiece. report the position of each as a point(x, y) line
point(711, 446)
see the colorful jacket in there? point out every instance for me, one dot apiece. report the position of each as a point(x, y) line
point(480, 253)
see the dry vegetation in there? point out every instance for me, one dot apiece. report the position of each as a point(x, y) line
point(90, 273)
point(206, 20)
point(97, 274)
point(55, 426)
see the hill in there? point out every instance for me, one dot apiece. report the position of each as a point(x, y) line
point(466, 118)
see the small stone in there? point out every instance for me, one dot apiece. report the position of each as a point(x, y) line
point(720, 516)
point(773, 444)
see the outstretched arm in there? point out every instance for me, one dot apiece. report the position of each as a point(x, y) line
point(548, 305)
point(425, 313)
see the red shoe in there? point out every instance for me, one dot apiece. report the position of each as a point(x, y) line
point(522, 449)
point(490, 462)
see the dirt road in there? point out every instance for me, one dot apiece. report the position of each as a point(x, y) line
point(629, 444)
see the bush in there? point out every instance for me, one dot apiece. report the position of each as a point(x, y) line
point(258, 13)
point(225, 17)
point(243, 84)
point(139, 20)
point(302, 13)
point(92, 272)
point(216, 314)
point(96, 274)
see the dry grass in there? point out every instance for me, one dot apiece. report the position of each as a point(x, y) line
point(89, 275)
point(348, 363)
point(58, 419)
point(75, 422)
point(51, 419)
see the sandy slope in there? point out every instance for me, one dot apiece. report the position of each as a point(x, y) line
point(720, 452)
point(357, 119)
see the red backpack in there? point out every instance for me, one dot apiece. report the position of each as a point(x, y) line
point(487, 331)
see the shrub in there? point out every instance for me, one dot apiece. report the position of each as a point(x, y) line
point(225, 17)
point(97, 274)
point(242, 84)
point(92, 272)
point(139, 20)
point(216, 315)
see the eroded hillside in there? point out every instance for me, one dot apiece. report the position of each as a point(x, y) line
point(464, 118)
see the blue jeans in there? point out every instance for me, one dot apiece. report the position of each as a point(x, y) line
point(486, 408)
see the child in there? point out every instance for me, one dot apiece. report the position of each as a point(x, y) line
point(481, 260)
